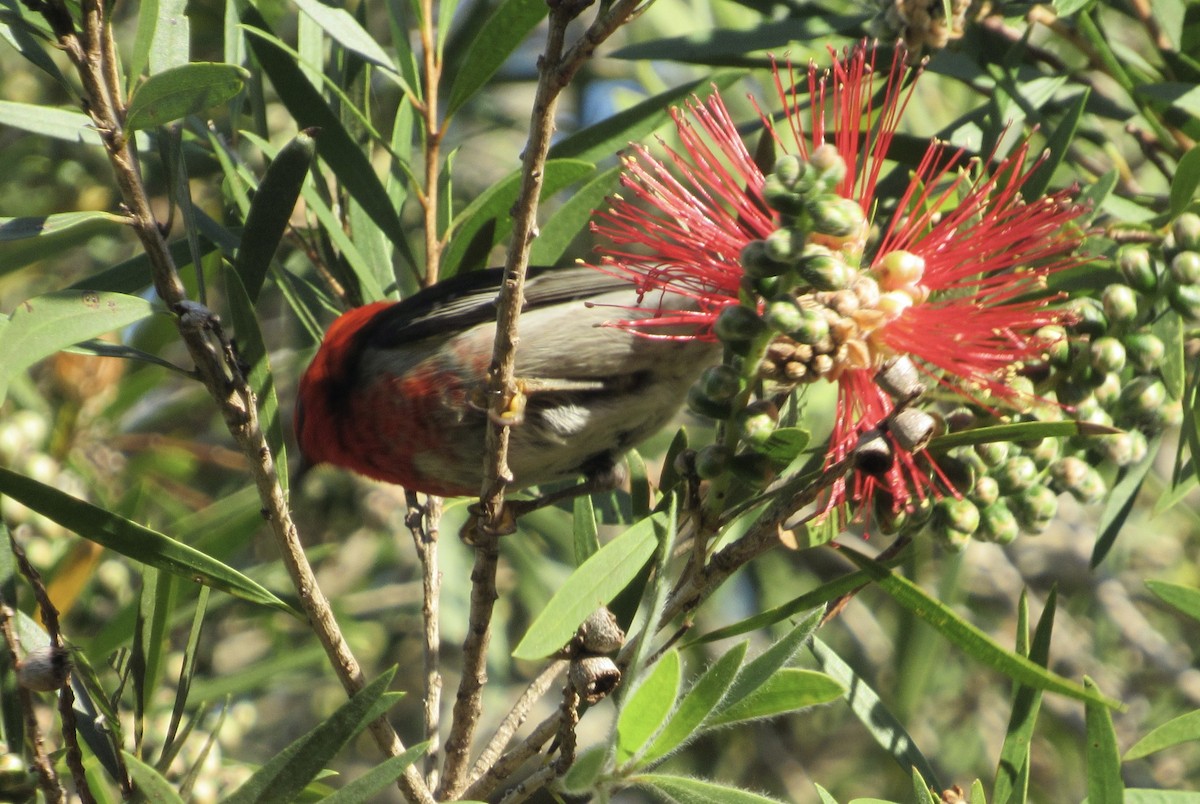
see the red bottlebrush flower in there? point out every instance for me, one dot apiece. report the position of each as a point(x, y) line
point(956, 282)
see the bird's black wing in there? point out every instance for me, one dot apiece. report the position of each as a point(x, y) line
point(470, 299)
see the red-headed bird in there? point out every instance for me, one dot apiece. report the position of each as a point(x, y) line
point(395, 391)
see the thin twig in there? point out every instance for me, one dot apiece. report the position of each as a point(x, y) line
point(52, 788)
point(531, 784)
point(423, 522)
point(211, 354)
point(432, 68)
point(513, 759)
point(516, 716)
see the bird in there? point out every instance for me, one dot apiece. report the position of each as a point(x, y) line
point(396, 390)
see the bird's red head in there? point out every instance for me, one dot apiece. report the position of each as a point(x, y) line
point(326, 385)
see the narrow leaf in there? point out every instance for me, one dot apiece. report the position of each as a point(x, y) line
point(341, 26)
point(589, 587)
point(1184, 598)
point(1058, 146)
point(644, 710)
point(584, 529)
point(1120, 502)
point(686, 790)
point(756, 672)
point(150, 783)
point(181, 91)
point(921, 789)
point(1186, 181)
point(45, 324)
point(570, 219)
point(295, 766)
point(1103, 759)
point(789, 690)
point(969, 638)
point(365, 788)
point(500, 35)
point(864, 702)
point(45, 226)
point(132, 540)
point(1018, 431)
point(700, 700)
point(1183, 729)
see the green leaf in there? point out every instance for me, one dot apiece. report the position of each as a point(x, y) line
point(1134, 796)
point(756, 672)
point(253, 351)
point(70, 125)
point(1103, 759)
point(1058, 146)
point(271, 210)
point(864, 702)
point(580, 778)
point(1186, 181)
point(1012, 773)
point(47, 226)
point(134, 541)
point(644, 710)
point(45, 324)
point(570, 219)
point(970, 639)
point(788, 690)
point(487, 221)
point(340, 25)
point(826, 798)
point(1180, 95)
point(1018, 431)
point(784, 445)
point(921, 789)
point(339, 150)
point(1169, 328)
point(695, 706)
point(591, 586)
point(181, 91)
point(686, 790)
point(151, 784)
point(1182, 729)
point(295, 766)
point(1119, 503)
point(1183, 598)
point(365, 788)
point(501, 34)
point(584, 529)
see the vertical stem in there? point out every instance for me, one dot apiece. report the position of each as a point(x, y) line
point(432, 62)
point(423, 522)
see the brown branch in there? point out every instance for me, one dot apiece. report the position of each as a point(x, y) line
point(423, 522)
point(432, 63)
point(52, 788)
point(516, 716)
point(215, 364)
point(513, 759)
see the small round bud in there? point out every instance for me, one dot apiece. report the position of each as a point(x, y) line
point(955, 519)
point(782, 245)
point(720, 383)
point(997, 524)
point(866, 289)
point(1137, 266)
point(756, 260)
point(1036, 508)
point(1145, 351)
point(1185, 267)
point(1185, 230)
point(594, 677)
point(835, 216)
point(704, 405)
point(993, 453)
point(985, 491)
point(1045, 451)
point(1107, 354)
point(1108, 392)
point(1053, 340)
point(712, 461)
point(1184, 299)
point(961, 418)
point(753, 468)
point(1120, 304)
point(44, 669)
point(738, 323)
point(1143, 397)
point(758, 422)
point(1089, 317)
point(788, 169)
point(1016, 474)
point(1116, 448)
point(784, 315)
point(828, 165)
point(600, 632)
point(822, 269)
point(782, 198)
point(899, 269)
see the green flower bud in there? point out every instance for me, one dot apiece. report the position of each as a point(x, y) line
point(1117, 448)
point(812, 329)
point(712, 461)
point(1056, 345)
point(1078, 478)
point(1142, 398)
point(1145, 351)
point(788, 169)
point(993, 453)
point(1090, 318)
point(835, 216)
point(1120, 304)
point(753, 468)
point(783, 315)
point(828, 165)
point(1185, 267)
point(758, 422)
point(701, 404)
point(1036, 508)
point(781, 198)
point(955, 520)
point(720, 383)
point(1186, 231)
point(738, 323)
point(824, 270)
point(1185, 299)
point(986, 491)
point(1107, 354)
point(1137, 266)
point(1016, 474)
point(997, 524)
point(1108, 392)
point(757, 262)
point(961, 418)
point(1045, 451)
point(782, 245)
